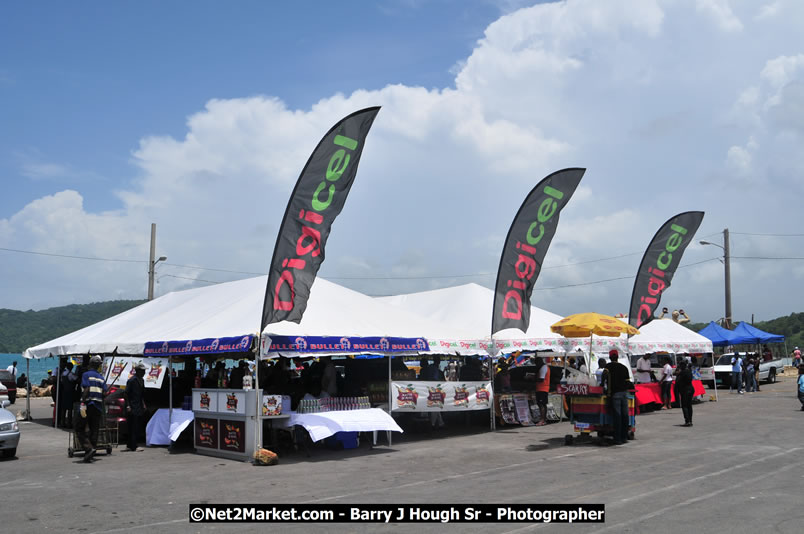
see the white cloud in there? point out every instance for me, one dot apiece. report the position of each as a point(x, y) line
point(663, 111)
point(721, 13)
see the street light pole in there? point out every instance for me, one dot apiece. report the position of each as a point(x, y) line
point(727, 273)
point(152, 263)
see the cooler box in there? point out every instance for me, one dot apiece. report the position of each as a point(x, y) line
point(345, 440)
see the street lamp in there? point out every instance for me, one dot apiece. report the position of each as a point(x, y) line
point(151, 272)
point(152, 263)
point(727, 273)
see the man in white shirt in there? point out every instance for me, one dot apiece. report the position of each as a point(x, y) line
point(644, 372)
point(666, 382)
point(13, 370)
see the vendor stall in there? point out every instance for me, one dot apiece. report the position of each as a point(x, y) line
point(589, 407)
point(225, 422)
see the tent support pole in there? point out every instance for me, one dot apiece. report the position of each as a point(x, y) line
point(170, 392)
point(492, 421)
point(58, 383)
point(28, 389)
point(257, 420)
point(390, 396)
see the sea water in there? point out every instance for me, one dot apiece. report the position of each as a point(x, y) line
point(39, 368)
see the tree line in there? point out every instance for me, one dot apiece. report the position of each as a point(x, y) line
point(22, 329)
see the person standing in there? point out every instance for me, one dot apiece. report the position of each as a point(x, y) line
point(666, 384)
point(542, 390)
point(749, 376)
point(329, 377)
point(91, 411)
point(66, 397)
point(684, 391)
point(135, 406)
point(801, 386)
point(796, 357)
point(13, 370)
point(736, 373)
point(644, 371)
point(617, 382)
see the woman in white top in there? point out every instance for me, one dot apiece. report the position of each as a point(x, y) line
point(666, 383)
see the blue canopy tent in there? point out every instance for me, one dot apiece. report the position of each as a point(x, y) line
point(719, 336)
point(745, 333)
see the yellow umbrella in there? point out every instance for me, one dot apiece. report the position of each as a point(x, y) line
point(586, 324)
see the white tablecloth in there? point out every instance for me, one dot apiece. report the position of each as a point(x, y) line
point(159, 432)
point(324, 424)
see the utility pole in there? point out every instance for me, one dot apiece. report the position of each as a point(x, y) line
point(727, 269)
point(152, 263)
point(727, 274)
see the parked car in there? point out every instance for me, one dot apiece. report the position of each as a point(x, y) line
point(3, 392)
point(11, 385)
point(768, 371)
point(9, 432)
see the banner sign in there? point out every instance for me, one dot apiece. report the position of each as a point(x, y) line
point(659, 264)
point(526, 246)
point(429, 396)
point(316, 201)
point(329, 344)
point(199, 346)
point(118, 369)
point(232, 435)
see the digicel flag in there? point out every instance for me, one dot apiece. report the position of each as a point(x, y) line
point(317, 199)
point(526, 245)
point(659, 264)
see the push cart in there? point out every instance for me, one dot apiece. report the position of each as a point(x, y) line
point(107, 435)
point(590, 411)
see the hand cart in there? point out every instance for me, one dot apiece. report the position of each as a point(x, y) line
point(590, 411)
point(107, 435)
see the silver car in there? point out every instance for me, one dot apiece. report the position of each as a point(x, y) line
point(9, 432)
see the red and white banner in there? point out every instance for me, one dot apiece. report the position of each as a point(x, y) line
point(441, 396)
point(118, 369)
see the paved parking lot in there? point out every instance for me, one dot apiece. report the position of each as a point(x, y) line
point(739, 469)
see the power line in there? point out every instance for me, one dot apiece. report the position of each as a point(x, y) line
point(211, 269)
point(69, 256)
point(769, 235)
point(764, 258)
point(188, 278)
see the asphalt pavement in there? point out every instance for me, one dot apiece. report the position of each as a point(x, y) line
point(738, 469)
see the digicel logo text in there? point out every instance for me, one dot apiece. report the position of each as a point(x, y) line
point(525, 266)
point(309, 242)
point(656, 283)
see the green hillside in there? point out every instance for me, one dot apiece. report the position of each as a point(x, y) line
point(20, 330)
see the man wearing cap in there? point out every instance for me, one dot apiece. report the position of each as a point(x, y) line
point(617, 380)
point(91, 411)
point(135, 406)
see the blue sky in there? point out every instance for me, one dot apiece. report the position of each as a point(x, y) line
point(82, 84)
point(198, 116)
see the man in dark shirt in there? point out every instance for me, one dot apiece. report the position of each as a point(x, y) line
point(618, 384)
point(93, 387)
point(135, 406)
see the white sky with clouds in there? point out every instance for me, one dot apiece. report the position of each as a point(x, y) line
point(670, 105)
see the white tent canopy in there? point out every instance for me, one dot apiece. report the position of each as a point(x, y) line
point(469, 306)
point(333, 310)
point(666, 335)
point(234, 309)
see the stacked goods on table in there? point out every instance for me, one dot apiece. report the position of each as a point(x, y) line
point(333, 404)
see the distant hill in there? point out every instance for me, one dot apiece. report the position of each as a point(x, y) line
point(790, 326)
point(20, 330)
